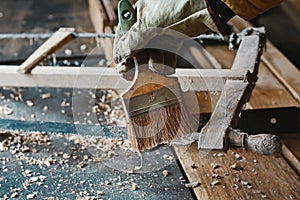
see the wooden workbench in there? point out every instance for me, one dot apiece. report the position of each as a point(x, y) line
point(262, 176)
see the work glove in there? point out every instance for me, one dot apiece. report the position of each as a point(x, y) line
point(154, 19)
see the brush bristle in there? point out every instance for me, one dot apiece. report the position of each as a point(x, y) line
point(158, 126)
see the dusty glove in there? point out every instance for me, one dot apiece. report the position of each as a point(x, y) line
point(188, 17)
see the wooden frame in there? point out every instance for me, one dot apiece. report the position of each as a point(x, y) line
point(236, 83)
point(273, 173)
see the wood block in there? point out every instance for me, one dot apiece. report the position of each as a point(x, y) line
point(56, 41)
point(230, 103)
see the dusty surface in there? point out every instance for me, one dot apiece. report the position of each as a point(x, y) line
point(41, 166)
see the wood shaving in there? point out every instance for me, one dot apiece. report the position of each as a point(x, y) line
point(42, 178)
point(238, 157)
point(100, 193)
point(181, 178)
point(46, 95)
point(217, 176)
point(264, 196)
point(168, 157)
point(6, 110)
point(129, 171)
point(235, 186)
point(25, 149)
point(236, 166)
point(31, 196)
point(81, 164)
point(215, 182)
point(134, 187)
point(214, 165)
point(83, 47)
point(245, 183)
point(165, 173)
point(29, 103)
point(192, 185)
point(64, 103)
point(33, 179)
point(68, 52)
point(14, 195)
point(27, 173)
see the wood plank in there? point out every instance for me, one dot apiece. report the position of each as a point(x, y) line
point(273, 177)
point(57, 40)
point(98, 15)
point(223, 55)
point(113, 20)
point(230, 103)
point(234, 95)
point(248, 55)
point(268, 92)
point(291, 159)
point(283, 70)
point(262, 176)
point(291, 140)
point(107, 78)
point(103, 20)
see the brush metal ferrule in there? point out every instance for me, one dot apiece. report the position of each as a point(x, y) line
point(156, 99)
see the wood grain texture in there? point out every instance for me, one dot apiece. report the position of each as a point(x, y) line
point(248, 54)
point(270, 177)
point(269, 91)
point(230, 103)
point(108, 78)
point(103, 19)
point(113, 20)
point(56, 41)
point(281, 68)
point(291, 159)
point(98, 15)
point(262, 176)
point(234, 95)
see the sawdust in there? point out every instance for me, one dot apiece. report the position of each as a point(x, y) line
point(6, 110)
point(192, 185)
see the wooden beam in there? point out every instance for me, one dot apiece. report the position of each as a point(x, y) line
point(234, 95)
point(232, 99)
point(108, 78)
point(57, 40)
point(103, 19)
point(282, 69)
point(98, 15)
point(248, 55)
point(113, 20)
point(291, 159)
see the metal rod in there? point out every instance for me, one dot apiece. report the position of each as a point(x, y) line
point(216, 37)
point(48, 35)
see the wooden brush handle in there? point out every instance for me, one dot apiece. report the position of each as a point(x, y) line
point(266, 144)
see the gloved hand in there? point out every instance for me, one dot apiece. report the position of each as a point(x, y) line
point(188, 17)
